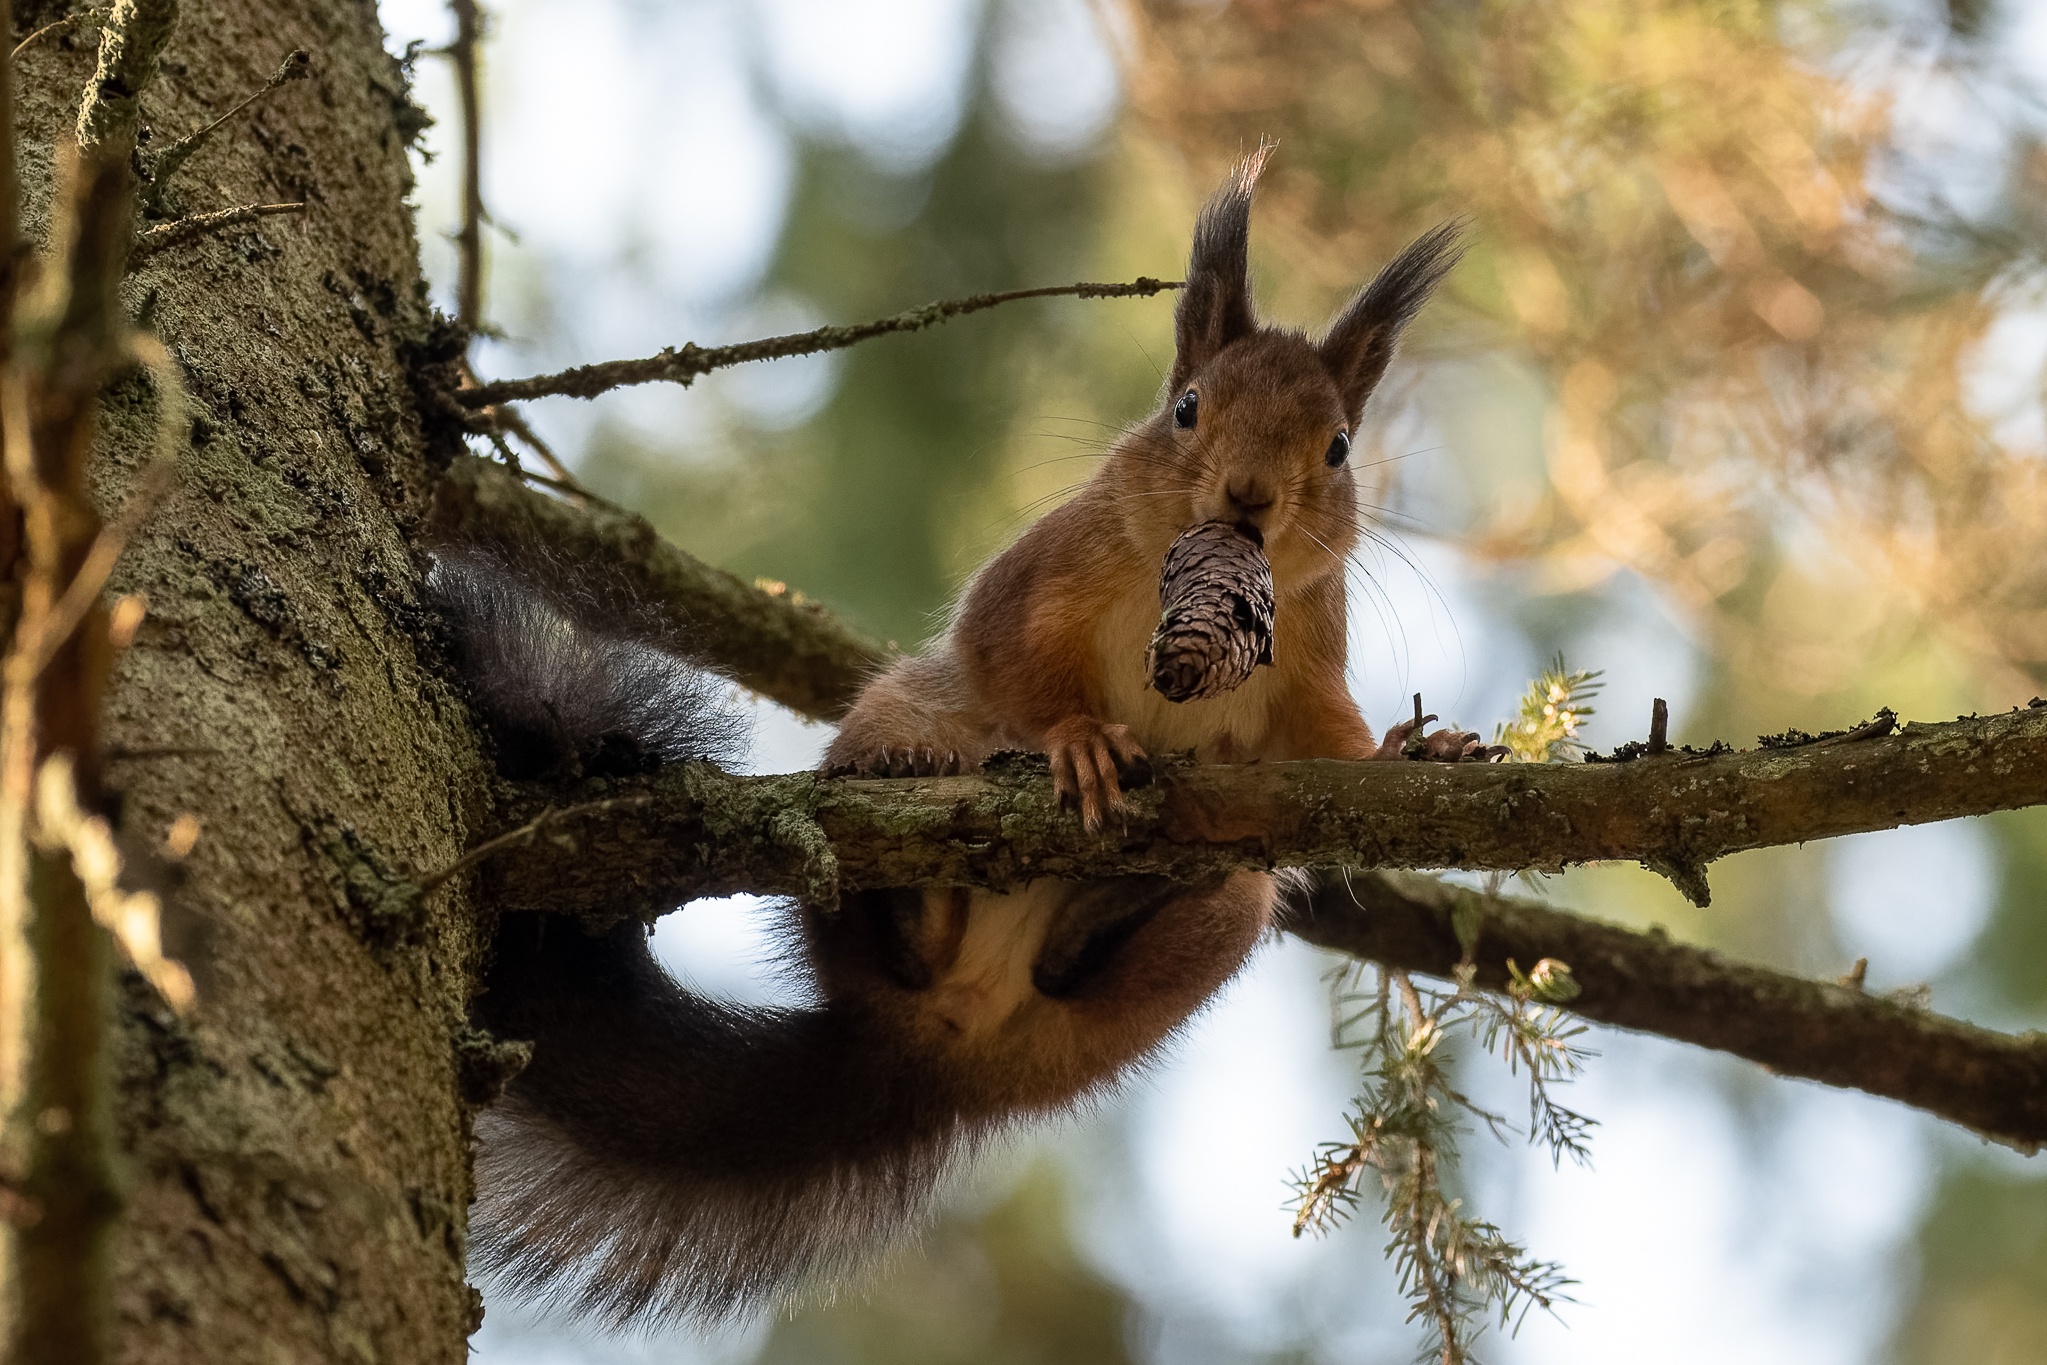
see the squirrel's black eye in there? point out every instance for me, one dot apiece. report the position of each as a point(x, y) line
point(1184, 411)
point(1339, 449)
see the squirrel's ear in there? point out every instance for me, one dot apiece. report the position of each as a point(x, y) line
point(1362, 339)
point(1215, 307)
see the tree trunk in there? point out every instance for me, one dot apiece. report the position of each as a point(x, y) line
point(297, 1151)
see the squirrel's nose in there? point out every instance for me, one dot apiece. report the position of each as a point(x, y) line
point(1248, 495)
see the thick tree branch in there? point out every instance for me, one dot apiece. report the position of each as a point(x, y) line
point(700, 832)
point(682, 366)
point(779, 646)
point(1991, 1082)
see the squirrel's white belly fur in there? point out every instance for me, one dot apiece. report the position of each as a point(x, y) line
point(989, 981)
point(1232, 728)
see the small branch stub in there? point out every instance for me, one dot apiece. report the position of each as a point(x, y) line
point(167, 235)
point(1659, 726)
point(1216, 614)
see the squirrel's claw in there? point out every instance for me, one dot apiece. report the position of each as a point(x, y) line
point(1440, 746)
point(900, 760)
point(1394, 745)
point(1087, 760)
point(1446, 746)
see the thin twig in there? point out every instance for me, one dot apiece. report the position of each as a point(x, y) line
point(167, 235)
point(568, 489)
point(683, 365)
point(498, 420)
point(297, 66)
point(469, 238)
point(524, 834)
point(83, 18)
point(514, 421)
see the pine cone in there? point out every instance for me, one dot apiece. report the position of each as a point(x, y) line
point(1215, 622)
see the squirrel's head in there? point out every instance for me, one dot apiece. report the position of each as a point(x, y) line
point(1257, 422)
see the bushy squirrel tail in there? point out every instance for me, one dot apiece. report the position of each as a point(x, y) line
point(664, 1155)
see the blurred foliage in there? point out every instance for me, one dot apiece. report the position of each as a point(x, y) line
point(1545, 724)
point(2014, 946)
point(1753, 315)
point(1001, 1289)
point(897, 488)
point(1983, 1291)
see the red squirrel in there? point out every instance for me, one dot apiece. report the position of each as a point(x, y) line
point(670, 1156)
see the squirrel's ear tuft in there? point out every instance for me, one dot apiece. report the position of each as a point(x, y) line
point(1215, 307)
point(1362, 340)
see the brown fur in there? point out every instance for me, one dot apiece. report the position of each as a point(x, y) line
point(1045, 653)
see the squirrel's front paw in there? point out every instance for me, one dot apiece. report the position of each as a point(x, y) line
point(899, 760)
point(1089, 760)
point(1409, 739)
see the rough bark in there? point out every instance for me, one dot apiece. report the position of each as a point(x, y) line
point(642, 846)
point(296, 1151)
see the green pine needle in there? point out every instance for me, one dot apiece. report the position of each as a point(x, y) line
point(1545, 726)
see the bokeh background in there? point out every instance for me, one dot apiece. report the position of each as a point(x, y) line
point(1738, 398)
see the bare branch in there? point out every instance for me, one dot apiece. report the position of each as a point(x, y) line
point(1835, 1033)
point(775, 643)
point(682, 366)
point(167, 235)
point(513, 421)
point(469, 238)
